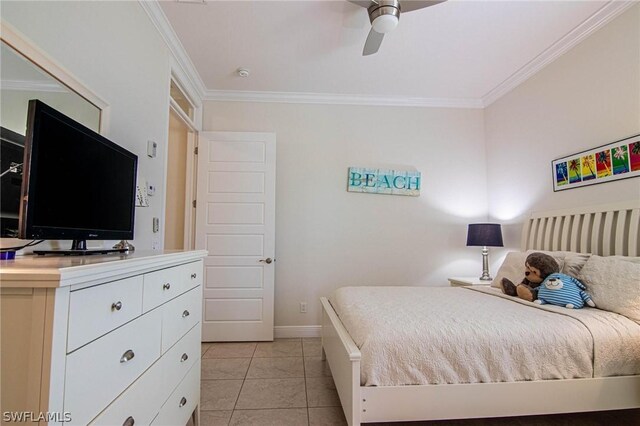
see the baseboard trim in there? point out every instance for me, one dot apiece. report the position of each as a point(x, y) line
point(295, 331)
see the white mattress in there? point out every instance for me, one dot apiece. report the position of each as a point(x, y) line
point(437, 335)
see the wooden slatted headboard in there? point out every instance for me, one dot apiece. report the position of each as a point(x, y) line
point(605, 230)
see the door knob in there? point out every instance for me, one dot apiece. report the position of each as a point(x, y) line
point(268, 260)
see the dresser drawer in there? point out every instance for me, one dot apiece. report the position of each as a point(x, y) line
point(180, 358)
point(184, 399)
point(165, 284)
point(179, 316)
point(95, 311)
point(193, 274)
point(98, 372)
point(140, 403)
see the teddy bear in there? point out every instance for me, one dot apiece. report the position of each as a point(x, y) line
point(563, 290)
point(538, 266)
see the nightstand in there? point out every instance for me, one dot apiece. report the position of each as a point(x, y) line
point(464, 281)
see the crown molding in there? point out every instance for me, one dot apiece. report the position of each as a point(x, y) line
point(188, 73)
point(600, 18)
point(197, 87)
point(338, 99)
point(32, 86)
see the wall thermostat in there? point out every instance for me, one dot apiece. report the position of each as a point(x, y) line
point(152, 148)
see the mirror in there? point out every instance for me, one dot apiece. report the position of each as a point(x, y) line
point(20, 81)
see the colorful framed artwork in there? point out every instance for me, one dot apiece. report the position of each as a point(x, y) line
point(614, 161)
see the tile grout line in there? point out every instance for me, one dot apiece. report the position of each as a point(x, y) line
point(243, 381)
point(304, 373)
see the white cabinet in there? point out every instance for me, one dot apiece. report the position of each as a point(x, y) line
point(108, 340)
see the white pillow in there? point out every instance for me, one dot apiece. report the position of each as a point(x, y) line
point(626, 258)
point(614, 284)
point(574, 262)
point(513, 266)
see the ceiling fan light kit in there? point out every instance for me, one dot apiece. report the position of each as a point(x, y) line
point(384, 16)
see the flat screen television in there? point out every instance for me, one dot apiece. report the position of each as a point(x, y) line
point(77, 185)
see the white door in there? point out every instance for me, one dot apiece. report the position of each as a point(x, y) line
point(235, 222)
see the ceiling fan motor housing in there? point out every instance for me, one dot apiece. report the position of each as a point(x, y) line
point(384, 15)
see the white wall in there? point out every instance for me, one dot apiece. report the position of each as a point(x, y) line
point(588, 97)
point(114, 49)
point(327, 237)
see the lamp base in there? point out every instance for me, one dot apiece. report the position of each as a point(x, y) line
point(485, 265)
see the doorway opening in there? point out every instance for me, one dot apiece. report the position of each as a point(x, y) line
point(181, 171)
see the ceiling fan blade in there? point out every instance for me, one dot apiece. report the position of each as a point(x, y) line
point(363, 3)
point(374, 40)
point(409, 5)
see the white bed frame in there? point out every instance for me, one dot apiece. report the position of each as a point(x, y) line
point(611, 229)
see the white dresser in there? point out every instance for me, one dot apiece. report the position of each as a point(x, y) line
point(104, 340)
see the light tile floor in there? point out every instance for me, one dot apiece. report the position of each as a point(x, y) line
point(285, 383)
point(278, 383)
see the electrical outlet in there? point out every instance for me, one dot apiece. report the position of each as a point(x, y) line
point(155, 245)
point(303, 307)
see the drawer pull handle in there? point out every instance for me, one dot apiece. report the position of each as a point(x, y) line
point(183, 401)
point(116, 306)
point(193, 276)
point(166, 286)
point(129, 422)
point(184, 357)
point(127, 356)
point(185, 314)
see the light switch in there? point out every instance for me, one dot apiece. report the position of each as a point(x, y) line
point(152, 149)
point(156, 224)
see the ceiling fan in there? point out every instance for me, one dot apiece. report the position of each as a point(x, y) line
point(384, 16)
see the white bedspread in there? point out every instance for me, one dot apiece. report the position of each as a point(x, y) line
point(437, 335)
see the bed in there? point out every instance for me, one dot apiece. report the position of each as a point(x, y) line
point(604, 380)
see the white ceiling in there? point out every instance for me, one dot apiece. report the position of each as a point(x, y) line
point(454, 50)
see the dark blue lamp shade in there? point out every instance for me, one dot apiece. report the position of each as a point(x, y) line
point(484, 234)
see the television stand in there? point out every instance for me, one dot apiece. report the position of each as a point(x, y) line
point(79, 248)
point(78, 252)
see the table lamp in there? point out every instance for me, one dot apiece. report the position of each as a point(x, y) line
point(485, 235)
